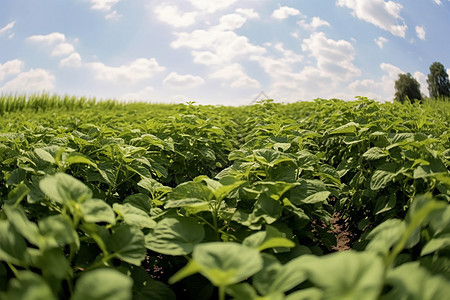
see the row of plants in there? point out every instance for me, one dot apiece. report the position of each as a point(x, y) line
point(198, 202)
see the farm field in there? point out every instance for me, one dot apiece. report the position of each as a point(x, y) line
point(106, 200)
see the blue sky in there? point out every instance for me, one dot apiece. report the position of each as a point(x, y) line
point(220, 52)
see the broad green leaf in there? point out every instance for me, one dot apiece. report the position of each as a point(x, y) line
point(57, 231)
point(271, 238)
point(382, 176)
point(350, 127)
point(222, 263)
point(413, 282)
point(175, 236)
point(154, 187)
point(309, 192)
point(441, 242)
point(12, 244)
point(103, 284)
point(63, 188)
point(363, 277)
point(270, 157)
point(17, 194)
point(278, 278)
point(385, 235)
point(435, 167)
point(17, 217)
point(133, 215)
point(306, 294)
point(127, 243)
point(375, 153)
point(46, 154)
point(145, 287)
point(29, 286)
point(96, 210)
point(54, 264)
point(141, 201)
point(78, 158)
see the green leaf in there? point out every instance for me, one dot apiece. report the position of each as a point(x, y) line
point(154, 187)
point(350, 127)
point(103, 284)
point(127, 243)
point(385, 235)
point(363, 278)
point(382, 176)
point(63, 188)
point(375, 153)
point(57, 231)
point(309, 192)
point(12, 245)
point(306, 294)
point(96, 210)
point(270, 157)
point(54, 264)
point(78, 158)
point(17, 194)
point(435, 167)
point(29, 286)
point(141, 201)
point(277, 278)
point(413, 282)
point(222, 263)
point(133, 215)
point(441, 242)
point(46, 154)
point(17, 217)
point(175, 236)
point(271, 238)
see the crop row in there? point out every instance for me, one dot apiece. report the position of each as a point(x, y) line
point(199, 202)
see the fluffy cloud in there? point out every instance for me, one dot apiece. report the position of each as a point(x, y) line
point(63, 49)
point(422, 79)
point(333, 57)
point(137, 70)
point(438, 2)
point(7, 30)
point(34, 80)
point(212, 6)
point(385, 15)
point(73, 60)
point(176, 80)
point(103, 4)
point(382, 89)
point(420, 30)
point(49, 39)
point(250, 13)
point(10, 67)
point(106, 6)
point(171, 15)
point(285, 12)
point(145, 94)
point(380, 41)
point(218, 44)
point(315, 23)
point(236, 76)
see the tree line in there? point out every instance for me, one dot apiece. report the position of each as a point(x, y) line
point(407, 88)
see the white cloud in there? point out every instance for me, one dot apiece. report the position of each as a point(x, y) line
point(422, 79)
point(145, 94)
point(315, 23)
point(34, 80)
point(380, 41)
point(113, 16)
point(438, 2)
point(63, 49)
point(333, 57)
point(10, 67)
point(171, 15)
point(420, 30)
point(7, 30)
point(219, 44)
point(176, 80)
point(285, 12)
point(105, 5)
point(48, 39)
point(237, 77)
point(382, 89)
point(250, 13)
point(231, 22)
point(385, 15)
point(210, 6)
point(73, 60)
point(137, 70)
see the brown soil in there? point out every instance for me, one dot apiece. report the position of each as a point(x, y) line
point(344, 233)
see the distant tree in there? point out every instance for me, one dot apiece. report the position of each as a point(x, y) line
point(438, 83)
point(407, 88)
